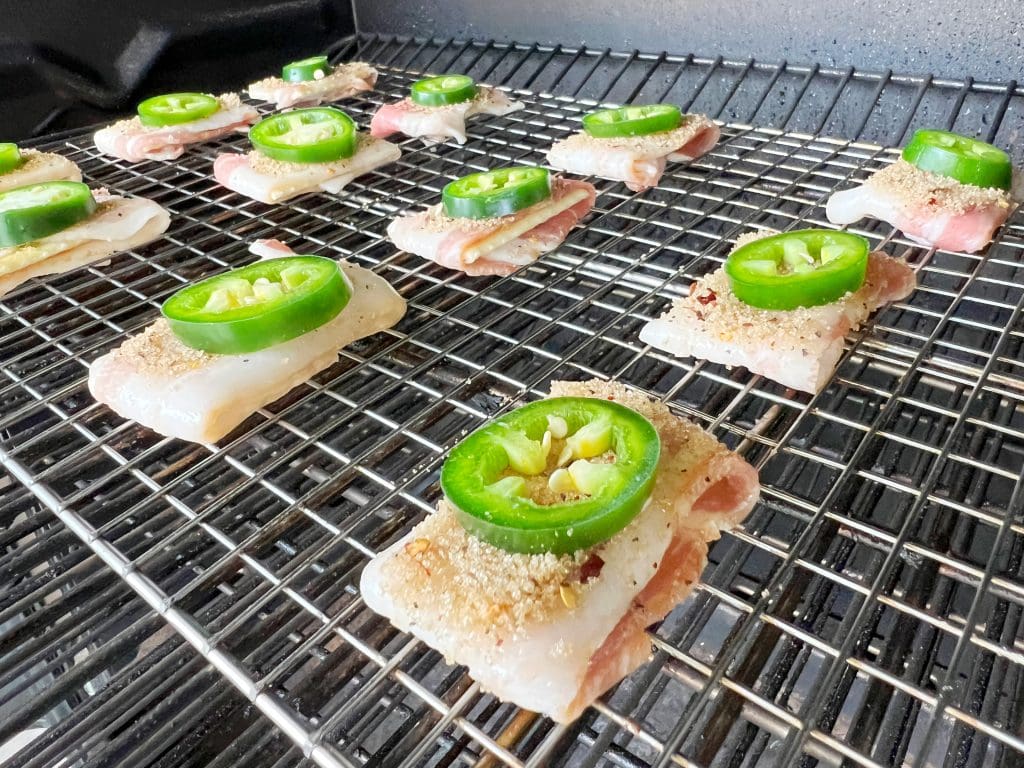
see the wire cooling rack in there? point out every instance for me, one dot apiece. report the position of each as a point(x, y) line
point(869, 610)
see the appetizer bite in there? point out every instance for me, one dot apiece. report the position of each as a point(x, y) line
point(947, 191)
point(567, 527)
point(313, 81)
point(21, 167)
point(495, 222)
point(305, 150)
point(437, 107)
point(632, 144)
point(228, 345)
point(782, 304)
point(57, 226)
point(165, 125)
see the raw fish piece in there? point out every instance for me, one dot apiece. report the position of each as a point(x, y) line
point(182, 392)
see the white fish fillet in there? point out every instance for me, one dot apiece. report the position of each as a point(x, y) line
point(549, 633)
point(270, 181)
point(132, 141)
point(38, 167)
point(798, 348)
point(344, 81)
point(435, 124)
point(638, 161)
point(119, 224)
point(180, 392)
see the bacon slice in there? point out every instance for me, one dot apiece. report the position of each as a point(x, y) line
point(132, 141)
point(435, 124)
point(930, 209)
point(345, 80)
point(495, 246)
point(181, 392)
point(639, 161)
point(119, 224)
point(798, 348)
point(271, 181)
point(37, 167)
point(552, 633)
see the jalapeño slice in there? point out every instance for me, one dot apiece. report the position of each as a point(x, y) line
point(806, 268)
point(557, 475)
point(259, 305)
point(496, 193)
point(967, 160)
point(443, 90)
point(632, 121)
point(312, 135)
point(10, 157)
point(176, 108)
point(313, 68)
point(38, 210)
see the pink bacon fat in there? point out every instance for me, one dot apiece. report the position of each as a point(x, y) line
point(798, 348)
point(132, 141)
point(439, 123)
point(345, 81)
point(930, 209)
point(638, 161)
point(465, 244)
point(552, 633)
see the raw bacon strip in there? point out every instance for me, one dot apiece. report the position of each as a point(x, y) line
point(552, 633)
point(495, 246)
point(435, 124)
point(639, 161)
point(346, 80)
point(181, 392)
point(272, 181)
point(928, 208)
point(797, 348)
point(132, 141)
point(38, 167)
point(119, 224)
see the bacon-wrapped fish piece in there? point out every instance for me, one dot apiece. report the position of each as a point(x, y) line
point(184, 392)
point(164, 134)
point(438, 107)
point(633, 147)
point(553, 631)
point(302, 151)
point(798, 347)
point(321, 82)
point(73, 227)
point(947, 191)
point(499, 244)
point(21, 167)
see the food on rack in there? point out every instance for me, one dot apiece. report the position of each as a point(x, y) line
point(495, 222)
point(437, 107)
point(57, 226)
point(782, 304)
point(568, 526)
point(313, 81)
point(947, 191)
point(230, 344)
point(302, 151)
point(21, 167)
point(166, 124)
point(632, 144)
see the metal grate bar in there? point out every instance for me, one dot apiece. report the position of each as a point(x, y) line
point(868, 612)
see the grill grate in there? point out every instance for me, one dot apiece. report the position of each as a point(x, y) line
point(868, 612)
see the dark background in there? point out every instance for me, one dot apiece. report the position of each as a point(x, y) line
point(70, 63)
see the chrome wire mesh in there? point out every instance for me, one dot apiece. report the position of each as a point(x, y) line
point(867, 613)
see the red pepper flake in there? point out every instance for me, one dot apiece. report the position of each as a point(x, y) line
point(591, 569)
point(707, 298)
